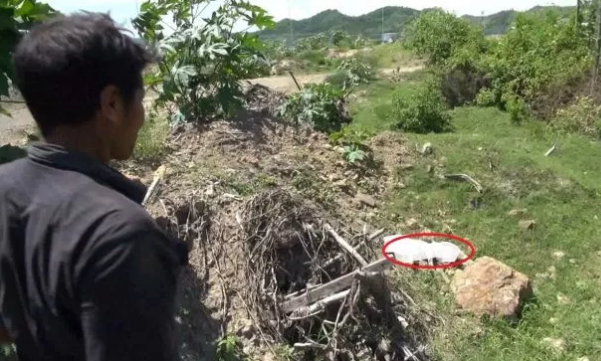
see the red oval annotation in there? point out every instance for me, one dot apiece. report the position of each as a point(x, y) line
point(441, 235)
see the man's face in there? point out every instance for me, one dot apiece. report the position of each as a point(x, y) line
point(122, 122)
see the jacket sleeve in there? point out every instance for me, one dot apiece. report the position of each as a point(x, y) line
point(127, 300)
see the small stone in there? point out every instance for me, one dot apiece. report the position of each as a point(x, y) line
point(365, 199)
point(516, 212)
point(558, 254)
point(429, 168)
point(427, 148)
point(556, 343)
point(572, 261)
point(251, 159)
point(411, 222)
point(584, 358)
point(563, 299)
point(553, 320)
point(527, 225)
point(334, 177)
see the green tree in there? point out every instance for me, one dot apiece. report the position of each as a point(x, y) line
point(202, 59)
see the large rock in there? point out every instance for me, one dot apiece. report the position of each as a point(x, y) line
point(490, 287)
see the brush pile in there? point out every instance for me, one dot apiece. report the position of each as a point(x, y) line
point(313, 290)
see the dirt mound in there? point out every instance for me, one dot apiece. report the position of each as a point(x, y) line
point(262, 205)
point(252, 261)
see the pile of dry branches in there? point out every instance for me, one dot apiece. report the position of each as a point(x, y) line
point(292, 253)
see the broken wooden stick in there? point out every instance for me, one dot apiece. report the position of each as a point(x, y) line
point(344, 244)
point(321, 304)
point(295, 82)
point(551, 150)
point(371, 237)
point(467, 178)
point(334, 286)
point(158, 175)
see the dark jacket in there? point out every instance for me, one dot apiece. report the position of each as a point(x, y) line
point(85, 273)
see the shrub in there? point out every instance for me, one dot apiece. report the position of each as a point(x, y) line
point(422, 112)
point(337, 79)
point(322, 106)
point(438, 35)
point(583, 117)
point(351, 73)
point(462, 84)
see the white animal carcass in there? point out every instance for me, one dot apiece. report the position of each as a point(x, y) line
point(408, 250)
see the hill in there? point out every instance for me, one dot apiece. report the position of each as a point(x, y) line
point(373, 24)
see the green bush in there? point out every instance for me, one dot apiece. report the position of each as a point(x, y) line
point(422, 112)
point(522, 72)
point(322, 106)
point(337, 79)
point(351, 73)
point(583, 117)
point(199, 77)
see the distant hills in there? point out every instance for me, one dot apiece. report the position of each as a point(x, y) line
point(374, 23)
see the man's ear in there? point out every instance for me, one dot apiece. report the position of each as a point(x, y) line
point(110, 103)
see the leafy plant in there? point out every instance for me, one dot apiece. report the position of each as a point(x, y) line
point(353, 144)
point(316, 42)
point(438, 36)
point(356, 72)
point(16, 17)
point(229, 349)
point(202, 63)
point(321, 106)
point(354, 154)
point(422, 112)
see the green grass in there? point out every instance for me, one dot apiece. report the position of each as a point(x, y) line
point(560, 192)
point(392, 55)
point(150, 145)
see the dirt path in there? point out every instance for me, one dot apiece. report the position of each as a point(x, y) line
point(285, 83)
point(13, 130)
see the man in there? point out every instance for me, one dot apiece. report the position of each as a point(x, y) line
point(85, 273)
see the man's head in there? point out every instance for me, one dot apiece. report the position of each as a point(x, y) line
point(81, 75)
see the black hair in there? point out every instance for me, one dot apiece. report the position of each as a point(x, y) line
point(63, 64)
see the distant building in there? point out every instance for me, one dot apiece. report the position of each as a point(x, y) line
point(389, 37)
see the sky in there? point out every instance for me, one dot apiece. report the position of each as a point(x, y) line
point(124, 10)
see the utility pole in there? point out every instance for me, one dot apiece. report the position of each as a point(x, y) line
point(291, 29)
point(597, 49)
point(382, 36)
point(578, 9)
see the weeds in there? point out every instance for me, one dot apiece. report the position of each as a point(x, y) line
point(321, 106)
point(423, 112)
point(230, 349)
point(150, 145)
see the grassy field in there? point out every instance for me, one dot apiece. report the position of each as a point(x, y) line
point(561, 255)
